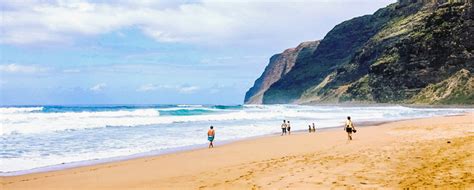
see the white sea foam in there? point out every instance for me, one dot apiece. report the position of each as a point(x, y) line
point(26, 120)
point(190, 105)
point(9, 110)
point(186, 108)
point(33, 137)
point(48, 122)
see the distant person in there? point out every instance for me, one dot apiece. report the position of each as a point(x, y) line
point(314, 128)
point(210, 136)
point(309, 129)
point(283, 128)
point(349, 128)
point(288, 127)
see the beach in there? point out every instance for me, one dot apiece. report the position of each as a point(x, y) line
point(434, 152)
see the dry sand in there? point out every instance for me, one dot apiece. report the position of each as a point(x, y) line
point(430, 153)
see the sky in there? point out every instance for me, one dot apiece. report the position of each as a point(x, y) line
point(73, 52)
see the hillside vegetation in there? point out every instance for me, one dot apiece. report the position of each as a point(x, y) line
point(407, 52)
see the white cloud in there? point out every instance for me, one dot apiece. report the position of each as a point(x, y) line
point(98, 87)
point(188, 89)
point(210, 21)
point(17, 68)
point(183, 89)
point(147, 87)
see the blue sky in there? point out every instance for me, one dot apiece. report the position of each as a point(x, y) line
point(152, 52)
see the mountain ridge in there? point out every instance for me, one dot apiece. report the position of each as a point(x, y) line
point(278, 66)
point(387, 57)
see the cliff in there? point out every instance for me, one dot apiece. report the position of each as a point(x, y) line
point(391, 56)
point(279, 66)
point(457, 89)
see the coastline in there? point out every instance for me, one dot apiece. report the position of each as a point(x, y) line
point(86, 163)
point(370, 104)
point(194, 163)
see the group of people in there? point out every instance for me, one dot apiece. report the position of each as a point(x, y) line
point(312, 130)
point(286, 128)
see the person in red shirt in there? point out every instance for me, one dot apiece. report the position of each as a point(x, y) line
point(210, 136)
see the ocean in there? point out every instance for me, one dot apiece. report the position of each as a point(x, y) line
point(35, 138)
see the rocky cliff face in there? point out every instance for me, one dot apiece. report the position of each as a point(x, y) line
point(279, 66)
point(391, 56)
point(457, 89)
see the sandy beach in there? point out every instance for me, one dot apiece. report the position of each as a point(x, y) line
point(431, 153)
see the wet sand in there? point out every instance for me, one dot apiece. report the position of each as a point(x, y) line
point(429, 153)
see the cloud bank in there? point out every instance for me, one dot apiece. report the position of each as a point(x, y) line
point(18, 68)
point(63, 21)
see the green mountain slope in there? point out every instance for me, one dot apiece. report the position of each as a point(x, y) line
point(457, 89)
point(278, 66)
point(387, 57)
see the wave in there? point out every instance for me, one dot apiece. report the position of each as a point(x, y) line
point(185, 112)
point(29, 120)
point(50, 122)
point(223, 107)
point(95, 108)
point(9, 110)
point(37, 122)
point(190, 105)
point(37, 137)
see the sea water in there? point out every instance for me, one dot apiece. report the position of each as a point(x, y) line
point(40, 136)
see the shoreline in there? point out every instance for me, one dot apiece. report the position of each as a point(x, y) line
point(387, 155)
point(372, 104)
point(155, 153)
point(86, 163)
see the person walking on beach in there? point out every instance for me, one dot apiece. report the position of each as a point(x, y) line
point(210, 136)
point(283, 128)
point(349, 128)
point(314, 128)
point(288, 127)
point(309, 129)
